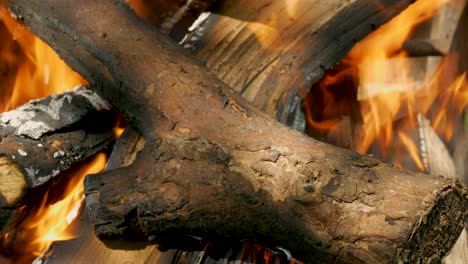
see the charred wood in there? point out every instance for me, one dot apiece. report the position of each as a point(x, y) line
point(88, 248)
point(272, 52)
point(42, 138)
point(214, 166)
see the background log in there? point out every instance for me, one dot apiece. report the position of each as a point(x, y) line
point(321, 202)
point(459, 47)
point(272, 52)
point(44, 137)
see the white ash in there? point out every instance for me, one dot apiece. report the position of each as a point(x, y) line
point(97, 102)
point(22, 118)
point(195, 31)
point(22, 152)
point(55, 173)
point(32, 172)
point(199, 21)
point(58, 154)
point(40, 145)
point(16, 117)
point(13, 157)
point(33, 129)
point(41, 180)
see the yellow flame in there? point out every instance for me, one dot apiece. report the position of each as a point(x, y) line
point(389, 89)
point(50, 222)
point(412, 149)
point(386, 83)
point(31, 70)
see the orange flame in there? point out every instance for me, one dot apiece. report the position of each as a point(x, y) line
point(386, 83)
point(50, 222)
point(389, 89)
point(39, 71)
point(30, 69)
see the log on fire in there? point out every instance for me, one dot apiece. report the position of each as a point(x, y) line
point(44, 137)
point(272, 52)
point(214, 166)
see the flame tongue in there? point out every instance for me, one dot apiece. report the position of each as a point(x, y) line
point(39, 71)
point(29, 69)
point(51, 221)
point(393, 89)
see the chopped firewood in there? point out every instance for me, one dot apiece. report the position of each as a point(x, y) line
point(435, 155)
point(443, 27)
point(274, 51)
point(44, 137)
point(214, 166)
point(459, 46)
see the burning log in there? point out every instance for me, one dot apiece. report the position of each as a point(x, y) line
point(45, 137)
point(275, 52)
point(214, 166)
point(88, 248)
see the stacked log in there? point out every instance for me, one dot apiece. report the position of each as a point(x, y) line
point(43, 138)
point(323, 203)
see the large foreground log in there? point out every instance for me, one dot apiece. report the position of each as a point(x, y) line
point(215, 166)
point(42, 138)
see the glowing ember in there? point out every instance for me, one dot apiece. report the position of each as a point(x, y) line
point(388, 89)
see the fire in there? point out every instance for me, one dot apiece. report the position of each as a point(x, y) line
point(51, 221)
point(384, 76)
point(389, 92)
point(30, 69)
point(37, 70)
point(39, 227)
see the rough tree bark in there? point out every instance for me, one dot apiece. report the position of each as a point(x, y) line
point(88, 248)
point(42, 138)
point(272, 52)
point(215, 166)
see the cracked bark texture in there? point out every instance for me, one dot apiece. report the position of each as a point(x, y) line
point(44, 137)
point(214, 166)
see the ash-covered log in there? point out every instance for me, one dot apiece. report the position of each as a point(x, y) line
point(214, 166)
point(42, 138)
